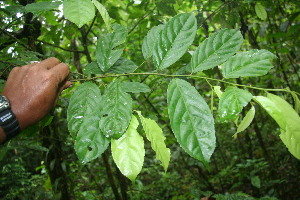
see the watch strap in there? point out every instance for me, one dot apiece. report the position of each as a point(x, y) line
point(9, 123)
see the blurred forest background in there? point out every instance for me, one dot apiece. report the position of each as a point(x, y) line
point(41, 163)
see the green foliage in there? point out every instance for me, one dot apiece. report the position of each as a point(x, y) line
point(79, 12)
point(116, 111)
point(155, 135)
point(191, 120)
point(113, 50)
point(106, 55)
point(174, 40)
point(232, 102)
point(128, 151)
point(250, 63)
point(216, 49)
point(83, 102)
point(287, 119)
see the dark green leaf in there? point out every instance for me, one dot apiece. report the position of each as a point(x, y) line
point(251, 63)
point(40, 7)
point(116, 111)
point(232, 102)
point(122, 66)
point(174, 40)
point(216, 49)
point(85, 100)
point(135, 87)
point(191, 120)
point(150, 41)
point(90, 141)
point(92, 68)
point(105, 54)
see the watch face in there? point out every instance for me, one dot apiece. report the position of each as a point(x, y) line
point(4, 103)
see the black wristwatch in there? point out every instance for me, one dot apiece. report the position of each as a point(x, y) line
point(8, 120)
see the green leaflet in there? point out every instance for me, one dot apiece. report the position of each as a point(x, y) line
point(122, 66)
point(79, 12)
point(90, 142)
point(174, 40)
point(191, 120)
point(85, 100)
point(128, 151)
point(135, 87)
point(40, 7)
point(261, 11)
point(150, 40)
point(217, 90)
point(92, 68)
point(251, 63)
point(103, 12)
point(155, 135)
point(287, 119)
point(106, 55)
point(245, 123)
point(216, 49)
point(116, 112)
point(232, 102)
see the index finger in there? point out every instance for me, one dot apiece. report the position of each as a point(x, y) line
point(48, 63)
point(61, 71)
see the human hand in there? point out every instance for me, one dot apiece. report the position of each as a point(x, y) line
point(34, 89)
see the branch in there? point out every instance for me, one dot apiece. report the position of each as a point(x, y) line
point(53, 45)
point(185, 76)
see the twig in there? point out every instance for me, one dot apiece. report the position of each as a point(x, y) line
point(69, 50)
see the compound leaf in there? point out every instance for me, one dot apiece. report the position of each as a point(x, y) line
point(191, 120)
point(128, 151)
point(116, 112)
point(106, 55)
point(79, 12)
point(90, 141)
point(251, 63)
point(232, 102)
point(150, 40)
point(85, 100)
point(174, 40)
point(216, 49)
point(155, 135)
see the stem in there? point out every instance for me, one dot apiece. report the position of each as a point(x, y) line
point(186, 76)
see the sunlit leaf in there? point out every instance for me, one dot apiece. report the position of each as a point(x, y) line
point(174, 40)
point(103, 12)
point(261, 11)
point(245, 123)
point(216, 49)
point(128, 151)
point(232, 102)
point(135, 87)
point(251, 63)
point(155, 135)
point(116, 112)
point(191, 120)
point(79, 12)
point(90, 141)
point(150, 40)
point(218, 91)
point(85, 100)
point(106, 55)
point(287, 119)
